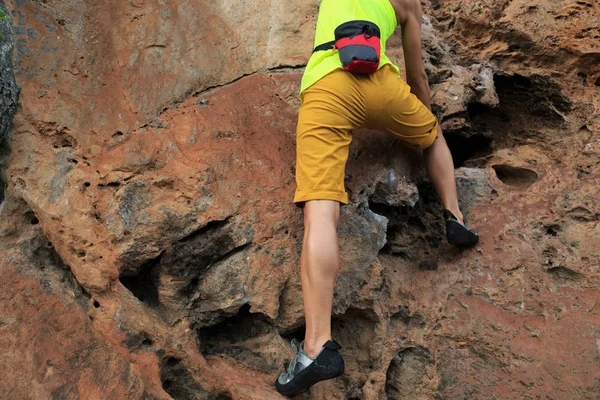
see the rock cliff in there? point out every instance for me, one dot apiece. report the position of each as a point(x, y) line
point(150, 250)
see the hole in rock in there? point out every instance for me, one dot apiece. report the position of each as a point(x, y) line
point(233, 328)
point(117, 134)
point(136, 341)
point(96, 304)
point(537, 95)
point(428, 265)
point(189, 259)
point(583, 77)
point(144, 284)
point(189, 290)
point(477, 112)
point(33, 219)
point(597, 83)
point(415, 224)
point(212, 226)
point(473, 142)
point(178, 382)
point(85, 294)
point(110, 184)
point(404, 316)
point(243, 337)
point(515, 176)
point(87, 184)
point(563, 274)
point(412, 231)
point(407, 374)
point(172, 361)
point(436, 4)
point(552, 230)
point(466, 148)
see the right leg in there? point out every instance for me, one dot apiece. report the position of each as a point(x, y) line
point(320, 263)
point(317, 359)
point(331, 108)
point(329, 112)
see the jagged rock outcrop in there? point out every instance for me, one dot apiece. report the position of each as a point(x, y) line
point(9, 92)
point(149, 247)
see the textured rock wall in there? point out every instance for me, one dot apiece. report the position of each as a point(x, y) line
point(150, 248)
point(9, 92)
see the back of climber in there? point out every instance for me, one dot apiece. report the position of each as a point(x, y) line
point(349, 83)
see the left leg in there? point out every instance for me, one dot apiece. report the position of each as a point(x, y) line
point(440, 168)
point(407, 117)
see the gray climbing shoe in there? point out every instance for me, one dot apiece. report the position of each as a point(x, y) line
point(304, 371)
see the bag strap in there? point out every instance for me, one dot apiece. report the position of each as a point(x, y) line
point(325, 46)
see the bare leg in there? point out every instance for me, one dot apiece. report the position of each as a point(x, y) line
point(440, 168)
point(319, 267)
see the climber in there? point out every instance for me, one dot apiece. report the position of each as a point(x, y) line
point(349, 83)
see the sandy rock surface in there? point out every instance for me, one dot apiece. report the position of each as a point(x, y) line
point(149, 248)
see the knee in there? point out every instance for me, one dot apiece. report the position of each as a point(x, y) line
point(321, 213)
point(439, 138)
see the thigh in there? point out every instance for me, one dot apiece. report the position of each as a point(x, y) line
point(404, 115)
point(331, 108)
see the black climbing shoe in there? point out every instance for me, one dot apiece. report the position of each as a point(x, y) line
point(304, 371)
point(458, 235)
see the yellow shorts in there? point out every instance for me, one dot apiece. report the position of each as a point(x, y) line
point(341, 102)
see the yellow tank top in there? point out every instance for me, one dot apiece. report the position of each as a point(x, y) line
point(333, 13)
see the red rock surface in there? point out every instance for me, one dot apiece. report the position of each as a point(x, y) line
point(149, 247)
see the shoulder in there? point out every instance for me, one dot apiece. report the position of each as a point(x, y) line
point(407, 9)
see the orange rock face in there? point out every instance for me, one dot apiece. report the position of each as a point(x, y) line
point(150, 249)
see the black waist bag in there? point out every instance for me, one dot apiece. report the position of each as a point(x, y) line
point(358, 44)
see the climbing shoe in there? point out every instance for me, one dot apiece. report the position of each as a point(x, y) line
point(457, 234)
point(304, 371)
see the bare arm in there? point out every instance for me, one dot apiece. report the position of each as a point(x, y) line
point(410, 17)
